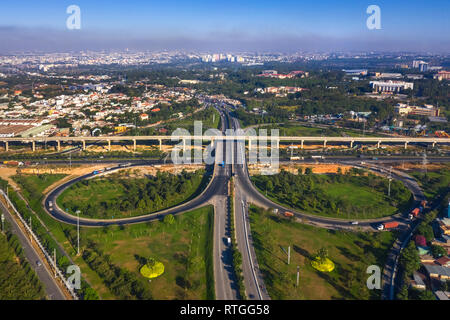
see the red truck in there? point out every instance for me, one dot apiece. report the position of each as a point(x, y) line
point(414, 213)
point(388, 225)
point(288, 214)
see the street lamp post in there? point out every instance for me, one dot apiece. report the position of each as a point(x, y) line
point(78, 232)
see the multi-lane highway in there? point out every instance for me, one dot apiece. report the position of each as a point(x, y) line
point(245, 192)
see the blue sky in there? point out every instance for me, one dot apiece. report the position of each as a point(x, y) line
point(425, 24)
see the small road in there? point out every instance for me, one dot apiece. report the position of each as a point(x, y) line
point(44, 274)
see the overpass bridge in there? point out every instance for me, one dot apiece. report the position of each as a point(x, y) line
point(251, 139)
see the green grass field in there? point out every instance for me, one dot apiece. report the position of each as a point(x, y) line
point(346, 197)
point(433, 182)
point(185, 249)
point(351, 252)
point(121, 196)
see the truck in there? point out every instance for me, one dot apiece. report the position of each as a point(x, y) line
point(414, 213)
point(288, 214)
point(317, 157)
point(297, 158)
point(387, 225)
point(13, 163)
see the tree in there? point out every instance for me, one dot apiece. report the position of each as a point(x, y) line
point(421, 241)
point(169, 219)
point(409, 259)
point(427, 295)
point(308, 171)
point(322, 253)
point(425, 230)
point(438, 251)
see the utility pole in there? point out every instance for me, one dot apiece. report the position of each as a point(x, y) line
point(289, 254)
point(78, 232)
point(424, 162)
point(390, 179)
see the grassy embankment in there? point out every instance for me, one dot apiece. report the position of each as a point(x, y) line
point(351, 252)
point(346, 196)
point(185, 248)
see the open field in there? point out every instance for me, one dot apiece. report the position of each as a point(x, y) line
point(351, 252)
point(185, 249)
point(435, 181)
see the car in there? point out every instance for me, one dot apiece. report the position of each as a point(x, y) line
point(355, 222)
point(229, 241)
point(38, 263)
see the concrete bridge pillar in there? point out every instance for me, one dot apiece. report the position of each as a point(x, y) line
point(84, 145)
point(249, 144)
point(324, 143)
point(58, 147)
point(351, 144)
point(109, 145)
point(134, 145)
point(434, 144)
point(160, 144)
point(378, 144)
point(33, 145)
point(277, 143)
point(6, 146)
point(184, 145)
point(406, 145)
point(301, 146)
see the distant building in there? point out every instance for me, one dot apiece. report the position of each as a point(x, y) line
point(427, 110)
point(356, 72)
point(423, 67)
point(388, 75)
point(442, 75)
point(391, 86)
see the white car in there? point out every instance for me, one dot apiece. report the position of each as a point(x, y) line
point(355, 222)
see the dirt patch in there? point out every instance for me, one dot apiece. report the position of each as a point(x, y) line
point(293, 168)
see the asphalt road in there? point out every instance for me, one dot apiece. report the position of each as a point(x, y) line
point(253, 279)
point(45, 275)
point(213, 188)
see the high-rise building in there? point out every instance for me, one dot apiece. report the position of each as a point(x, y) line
point(423, 67)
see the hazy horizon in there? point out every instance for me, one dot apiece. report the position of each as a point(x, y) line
point(284, 26)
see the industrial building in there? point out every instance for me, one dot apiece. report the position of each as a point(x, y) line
point(391, 86)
